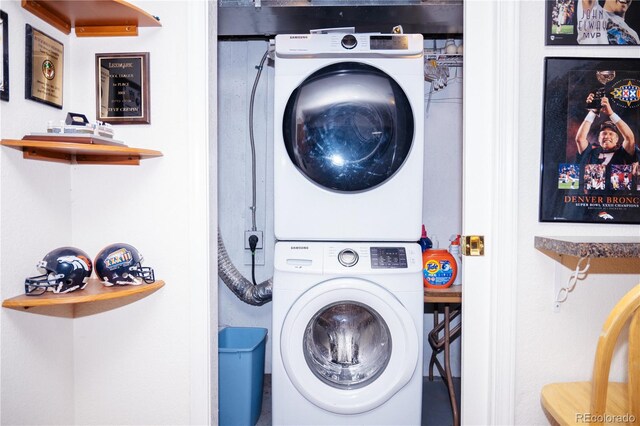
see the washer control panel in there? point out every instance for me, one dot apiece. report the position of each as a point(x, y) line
point(348, 258)
point(388, 257)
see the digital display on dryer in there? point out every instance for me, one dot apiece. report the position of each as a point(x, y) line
point(389, 42)
point(388, 257)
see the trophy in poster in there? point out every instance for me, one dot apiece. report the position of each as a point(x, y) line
point(603, 77)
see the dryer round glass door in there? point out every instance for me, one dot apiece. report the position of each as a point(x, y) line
point(348, 345)
point(348, 127)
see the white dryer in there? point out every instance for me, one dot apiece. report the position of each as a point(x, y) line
point(349, 130)
point(347, 334)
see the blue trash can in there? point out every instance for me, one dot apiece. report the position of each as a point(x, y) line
point(240, 375)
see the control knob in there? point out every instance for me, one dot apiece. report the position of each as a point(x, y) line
point(348, 257)
point(349, 41)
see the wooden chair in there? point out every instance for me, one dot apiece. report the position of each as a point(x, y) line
point(600, 402)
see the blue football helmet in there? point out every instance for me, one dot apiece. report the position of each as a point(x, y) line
point(64, 269)
point(121, 264)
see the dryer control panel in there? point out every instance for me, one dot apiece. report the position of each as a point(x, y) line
point(336, 43)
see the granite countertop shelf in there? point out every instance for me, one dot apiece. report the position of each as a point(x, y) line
point(594, 247)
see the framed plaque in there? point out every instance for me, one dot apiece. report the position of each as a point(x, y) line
point(122, 88)
point(4, 66)
point(590, 169)
point(44, 68)
point(592, 22)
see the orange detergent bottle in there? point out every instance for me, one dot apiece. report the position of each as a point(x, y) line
point(439, 268)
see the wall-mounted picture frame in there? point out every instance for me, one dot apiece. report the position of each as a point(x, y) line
point(4, 65)
point(122, 88)
point(592, 22)
point(44, 68)
point(590, 169)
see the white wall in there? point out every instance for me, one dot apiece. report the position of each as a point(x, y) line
point(36, 351)
point(236, 74)
point(144, 206)
point(442, 198)
point(147, 362)
point(554, 346)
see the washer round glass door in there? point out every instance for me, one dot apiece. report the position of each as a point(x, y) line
point(348, 127)
point(348, 345)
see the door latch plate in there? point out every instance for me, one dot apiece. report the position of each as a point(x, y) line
point(473, 245)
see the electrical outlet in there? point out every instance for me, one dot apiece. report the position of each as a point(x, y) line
point(247, 234)
point(258, 256)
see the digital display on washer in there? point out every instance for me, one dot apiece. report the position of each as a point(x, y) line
point(389, 42)
point(388, 257)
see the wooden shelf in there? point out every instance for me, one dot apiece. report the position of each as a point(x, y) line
point(80, 153)
point(92, 18)
point(93, 293)
point(451, 294)
point(594, 247)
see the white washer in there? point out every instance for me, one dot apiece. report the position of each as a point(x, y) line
point(347, 334)
point(349, 136)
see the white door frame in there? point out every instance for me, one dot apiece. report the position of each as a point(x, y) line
point(490, 170)
point(202, 219)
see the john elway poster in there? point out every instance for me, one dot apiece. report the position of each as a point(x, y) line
point(590, 148)
point(592, 22)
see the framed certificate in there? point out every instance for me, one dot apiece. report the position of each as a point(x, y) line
point(4, 65)
point(122, 88)
point(44, 68)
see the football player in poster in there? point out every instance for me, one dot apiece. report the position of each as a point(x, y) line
point(605, 24)
point(562, 17)
point(616, 141)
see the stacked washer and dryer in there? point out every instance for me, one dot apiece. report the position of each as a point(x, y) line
point(347, 286)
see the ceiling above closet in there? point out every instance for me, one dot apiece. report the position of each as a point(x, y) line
point(265, 18)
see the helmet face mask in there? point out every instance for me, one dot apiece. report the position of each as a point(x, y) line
point(121, 264)
point(39, 284)
point(64, 270)
point(144, 273)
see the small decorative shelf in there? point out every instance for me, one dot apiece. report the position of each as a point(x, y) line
point(80, 153)
point(92, 18)
point(594, 247)
point(609, 250)
point(93, 293)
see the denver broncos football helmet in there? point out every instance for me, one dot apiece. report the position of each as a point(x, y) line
point(64, 269)
point(121, 264)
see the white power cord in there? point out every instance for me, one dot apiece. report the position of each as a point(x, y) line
point(579, 274)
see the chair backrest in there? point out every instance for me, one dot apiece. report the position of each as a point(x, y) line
point(627, 309)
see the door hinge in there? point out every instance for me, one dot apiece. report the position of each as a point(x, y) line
point(473, 245)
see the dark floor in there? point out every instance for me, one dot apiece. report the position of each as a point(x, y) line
point(436, 408)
